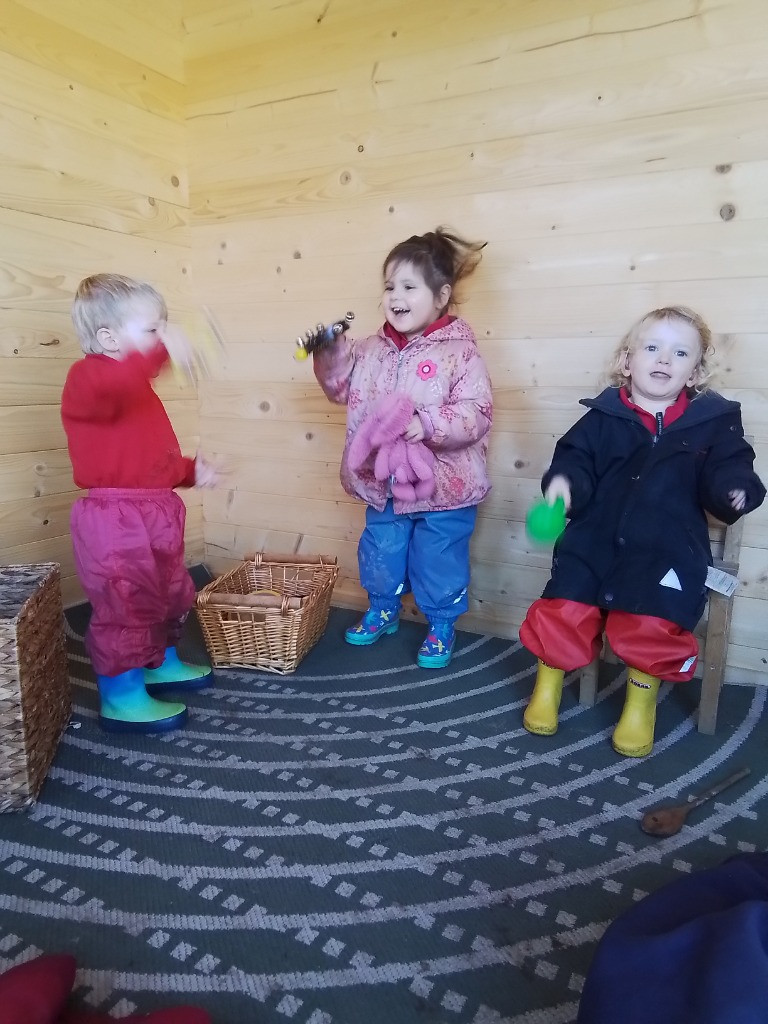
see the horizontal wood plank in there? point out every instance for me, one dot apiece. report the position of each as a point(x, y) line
point(62, 48)
point(122, 29)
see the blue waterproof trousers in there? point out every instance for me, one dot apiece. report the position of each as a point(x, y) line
point(423, 552)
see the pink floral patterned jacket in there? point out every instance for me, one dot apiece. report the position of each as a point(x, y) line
point(445, 377)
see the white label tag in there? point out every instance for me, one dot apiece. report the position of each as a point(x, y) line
point(721, 581)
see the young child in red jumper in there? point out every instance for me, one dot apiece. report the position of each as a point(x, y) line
point(128, 532)
point(637, 473)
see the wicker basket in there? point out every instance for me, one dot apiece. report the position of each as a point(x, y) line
point(35, 702)
point(268, 612)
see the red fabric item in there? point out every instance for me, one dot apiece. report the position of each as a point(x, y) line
point(118, 431)
point(564, 634)
point(174, 1015)
point(35, 992)
point(671, 413)
point(656, 646)
point(129, 553)
point(401, 340)
point(568, 635)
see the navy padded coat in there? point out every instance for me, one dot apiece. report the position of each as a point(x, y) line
point(637, 539)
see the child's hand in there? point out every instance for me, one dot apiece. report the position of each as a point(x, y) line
point(559, 487)
point(415, 430)
point(738, 499)
point(179, 348)
point(206, 475)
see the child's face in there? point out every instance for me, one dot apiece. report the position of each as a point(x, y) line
point(665, 361)
point(139, 331)
point(409, 304)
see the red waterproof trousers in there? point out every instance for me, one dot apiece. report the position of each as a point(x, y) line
point(569, 635)
point(129, 553)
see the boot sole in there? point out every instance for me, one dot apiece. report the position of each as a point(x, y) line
point(366, 639)
point(539, 730)
point(438, 661)
point(637, 752)
point(179, 685)
point(161, 725)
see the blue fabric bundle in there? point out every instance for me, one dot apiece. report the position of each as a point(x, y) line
point(695, 952)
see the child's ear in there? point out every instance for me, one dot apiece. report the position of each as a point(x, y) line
point(107, 340)
point(625, 371)
point(693, 380)
point(444, 296)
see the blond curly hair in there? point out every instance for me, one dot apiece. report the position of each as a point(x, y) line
point(704, 371)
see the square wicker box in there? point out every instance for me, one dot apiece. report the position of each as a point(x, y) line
point(268, 612)
point(35, 702)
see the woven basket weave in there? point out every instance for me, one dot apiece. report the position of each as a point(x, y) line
point(268, 612)
point(35, 703)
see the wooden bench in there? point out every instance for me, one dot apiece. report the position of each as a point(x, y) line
point(712, 632)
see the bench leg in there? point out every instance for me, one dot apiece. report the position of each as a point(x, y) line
point(715, 652)
point(588, 683)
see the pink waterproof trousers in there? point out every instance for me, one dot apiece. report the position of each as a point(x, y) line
point(129, 553)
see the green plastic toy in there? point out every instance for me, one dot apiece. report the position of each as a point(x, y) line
point(544, 523)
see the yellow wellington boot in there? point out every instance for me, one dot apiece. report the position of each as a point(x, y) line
point(541, 714)
point(633, 736)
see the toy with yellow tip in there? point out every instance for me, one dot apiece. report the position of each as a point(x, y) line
point(321, 336)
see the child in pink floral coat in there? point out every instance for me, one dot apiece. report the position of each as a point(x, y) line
point(429, 357)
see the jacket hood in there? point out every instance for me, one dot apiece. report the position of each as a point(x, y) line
point(704, 407)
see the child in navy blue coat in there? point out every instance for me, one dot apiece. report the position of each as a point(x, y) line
point(638, 472)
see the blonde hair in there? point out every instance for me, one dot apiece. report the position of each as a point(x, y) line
point(704, 371)
point(104, 300)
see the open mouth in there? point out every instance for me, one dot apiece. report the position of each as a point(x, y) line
point(399, 311)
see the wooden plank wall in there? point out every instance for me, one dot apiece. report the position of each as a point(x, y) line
point(612, 152)
point(93, 177)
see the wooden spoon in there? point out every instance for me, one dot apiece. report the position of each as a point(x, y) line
point(667, 821)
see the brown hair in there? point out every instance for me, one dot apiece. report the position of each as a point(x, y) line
point(103, 300)
point(631, 339)
point(440, 257)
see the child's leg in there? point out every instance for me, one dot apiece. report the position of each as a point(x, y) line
point(382, 558)
point(172, 673)
point(564, 635)
point(438, 568)
point(652, 649)
point(117, 569)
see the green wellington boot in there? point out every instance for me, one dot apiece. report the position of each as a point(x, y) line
point(175, 674)
point(541, 714)
point(127, 707)
point(633, 736)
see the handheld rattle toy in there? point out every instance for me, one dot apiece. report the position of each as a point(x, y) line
point(544, 523)
point(321, 336)
point(207, 348)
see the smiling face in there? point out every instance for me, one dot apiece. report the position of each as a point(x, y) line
point(409, 303)
point(664, 361)
point(139, 330)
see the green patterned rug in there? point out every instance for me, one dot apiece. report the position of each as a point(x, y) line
point(363, 840)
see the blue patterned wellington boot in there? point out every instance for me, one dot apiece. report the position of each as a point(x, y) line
point(374, 623)
point(125, 706)
point(437, 648)
point(175, 674)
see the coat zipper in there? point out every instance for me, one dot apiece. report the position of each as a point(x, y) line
point(659, 426)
